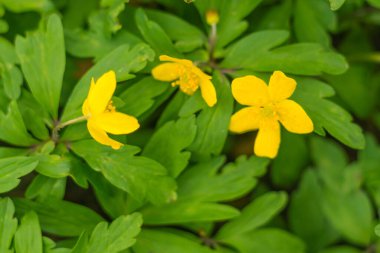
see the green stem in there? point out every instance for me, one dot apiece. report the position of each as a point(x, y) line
point(59, 126)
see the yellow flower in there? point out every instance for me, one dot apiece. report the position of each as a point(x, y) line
point(212, 17)
point(185, 74)
point(102, 118)
point(268, 105)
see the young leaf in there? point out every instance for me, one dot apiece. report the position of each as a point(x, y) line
point(12, 127)
point(300, 58)
point(123, 60)
point(110, 238)
point(213, 122)
point(312, 94)
point(256, 214)
point(8, 224)
point(42, 58)
point(60, 217)
point(141, 177)
point(12, 168)
point(167, 144)
point(28, 237)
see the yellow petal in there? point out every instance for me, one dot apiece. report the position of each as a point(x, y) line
point(293, 117)
point(208, 92)
point(116, 122)
point(246, 119)
point(101, 93)
point(268, 139)
point(101, 136)
point(185, 62)
point(250, 90)
point(166, 72)
point(280, 86)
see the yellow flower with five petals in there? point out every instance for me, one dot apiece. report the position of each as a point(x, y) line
point(268, 105)
point(187, 76)
point(102, 117)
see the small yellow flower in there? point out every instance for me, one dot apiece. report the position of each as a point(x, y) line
point(102, 118)
point(185, 74)
point(268, 105)
point(212, 17)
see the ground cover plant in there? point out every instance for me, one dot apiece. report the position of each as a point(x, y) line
point(171, 126)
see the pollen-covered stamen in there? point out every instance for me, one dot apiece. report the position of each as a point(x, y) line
point(110, 107)
point(188, 81)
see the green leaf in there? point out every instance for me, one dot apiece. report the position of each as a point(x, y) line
point(357, 88)
point(110, 238)
point(60, 217)
point(167, 144)
point(141, 177)
point(231, 14)
point(336, 4)
point(8, 224)
point(12, 127)
point(315, 14)
point(186, 36)
point(151, 240)
point(112, 199)
point(254, 215)
point(154, 35)
point(341, 249)
point(305, 208)
point(11, 169)
point(140, 97)
point(103, 34)
point(26, 5)
point(312, 94)
point(54, 166)
point(42, 58)
point(369, 159)
point(350, 213)
point(213, 122)
point(34, 116)
point(206, 181)
point(292, 158)
point(374, 3)
point(11, 79)
point(28, 237)
point(300, 58)
point(122, 60)
point(269, 240)
point(187, 211)
point(43, 187)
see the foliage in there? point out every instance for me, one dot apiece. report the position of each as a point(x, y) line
point(183, 182)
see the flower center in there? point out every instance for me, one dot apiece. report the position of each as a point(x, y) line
point(268, 111)
point(110, 107)
point(188, 81)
